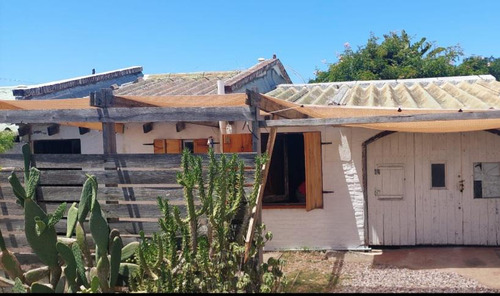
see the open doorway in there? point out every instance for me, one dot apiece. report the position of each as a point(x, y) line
point(286, 179)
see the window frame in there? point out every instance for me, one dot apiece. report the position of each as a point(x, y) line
point(482, 181)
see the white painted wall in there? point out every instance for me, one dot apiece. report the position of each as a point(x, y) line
point(134, 139)
point(340, 224)
point(91, 142)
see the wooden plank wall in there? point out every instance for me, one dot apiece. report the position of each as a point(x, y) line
point(129, 185)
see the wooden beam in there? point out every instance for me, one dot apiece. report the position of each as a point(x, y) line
point(128, 103)
point(103, 100)
point(205, 123)
point(274, 107)
point(143, 114)
point(255, 101)
point(487, 114)
point(254, 219)
point(108, 138)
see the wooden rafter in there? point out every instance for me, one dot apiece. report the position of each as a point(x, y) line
point(466, 115)
point(276, 107)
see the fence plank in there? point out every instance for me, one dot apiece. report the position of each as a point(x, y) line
point(78, 177)
point(130, 207)
point(158, 161)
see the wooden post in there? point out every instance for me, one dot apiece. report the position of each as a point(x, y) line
point(254, 102)
point(105, 99)
point(256, 216)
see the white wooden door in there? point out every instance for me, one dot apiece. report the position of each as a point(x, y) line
point(405, 205)
point(391, 197)
point(481, 161)
point(438, 203)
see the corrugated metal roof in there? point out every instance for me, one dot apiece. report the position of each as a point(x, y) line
point(57, 86)
point(199, 83)
point(461, 92)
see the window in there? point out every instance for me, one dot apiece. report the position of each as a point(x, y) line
point(438, 175)
point(295, 174)
point(188, 144)
point(486, 179)
point(175, 146)
point(71, 146)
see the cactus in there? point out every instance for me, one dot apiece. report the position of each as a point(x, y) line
point(66, 253)
point(9, 262)
point(41, 288)
point(116, 254)
point(210, 261)
point(40, 240)
point(70, 270)
point(72, 219)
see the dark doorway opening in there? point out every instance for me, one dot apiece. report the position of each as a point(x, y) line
point(287, 170)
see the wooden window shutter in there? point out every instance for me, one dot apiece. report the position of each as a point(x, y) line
point(314, 177)
point(159, 146)
point(173, 146)
point(200, 146)
point(234, 143)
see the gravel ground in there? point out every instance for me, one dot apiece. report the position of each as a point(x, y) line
point(320, 272)
point(365, 278)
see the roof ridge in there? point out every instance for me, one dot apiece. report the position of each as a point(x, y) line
point(49, 87)
point(487, 77)
point(250, 73)
point(193, 73)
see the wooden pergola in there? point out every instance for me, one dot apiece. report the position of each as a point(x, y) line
point(106, 112)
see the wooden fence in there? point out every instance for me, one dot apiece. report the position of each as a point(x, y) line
point(129, 185)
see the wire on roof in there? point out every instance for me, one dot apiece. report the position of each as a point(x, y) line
point(281, 110)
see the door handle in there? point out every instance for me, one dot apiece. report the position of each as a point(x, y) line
point(461, 185)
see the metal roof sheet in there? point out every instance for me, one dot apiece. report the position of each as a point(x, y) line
point(199, 83)
point(461, 92)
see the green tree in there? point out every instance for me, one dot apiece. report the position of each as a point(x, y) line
point(494, 68)
point(398, 57)
point(6, 140)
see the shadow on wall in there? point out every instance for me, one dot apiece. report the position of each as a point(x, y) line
point(349, 191)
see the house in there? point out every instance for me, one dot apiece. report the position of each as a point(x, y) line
point(399, 164)
point(354, 164)
point(86, 138)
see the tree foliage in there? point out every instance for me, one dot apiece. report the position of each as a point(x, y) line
point(6, 140)
point(398, 57)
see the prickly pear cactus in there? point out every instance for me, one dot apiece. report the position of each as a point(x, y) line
point(71, 256)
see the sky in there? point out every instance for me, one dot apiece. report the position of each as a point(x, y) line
point(44, 41)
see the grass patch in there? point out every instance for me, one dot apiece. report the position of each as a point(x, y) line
point(308, 272)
